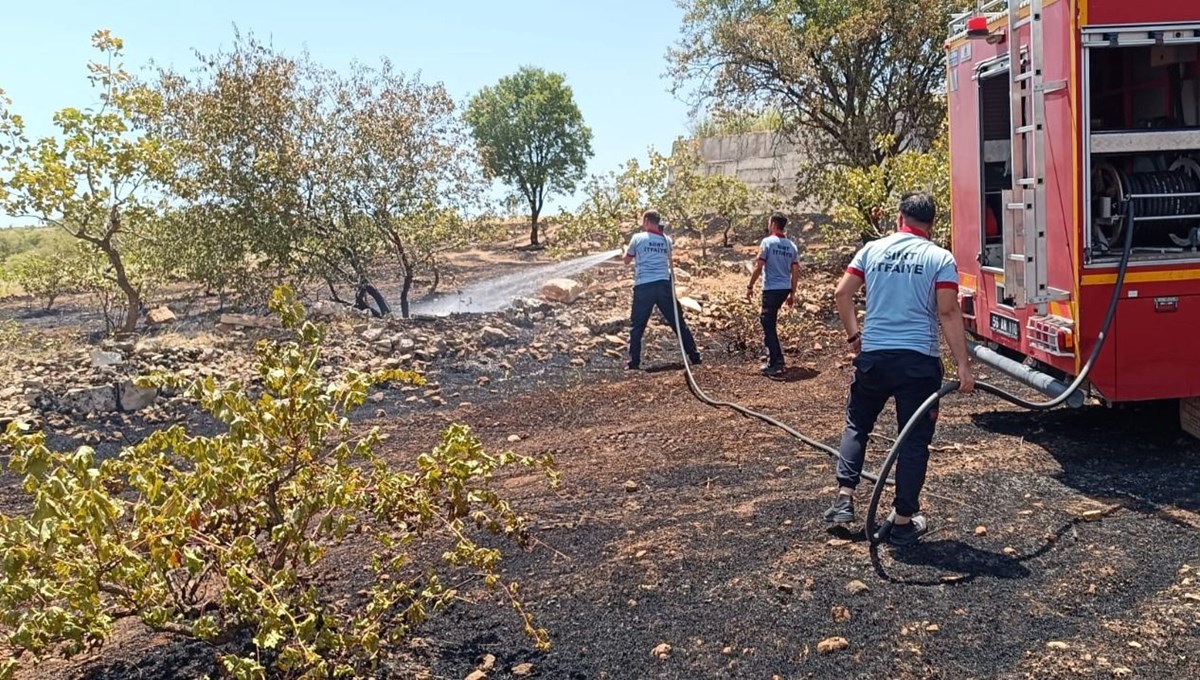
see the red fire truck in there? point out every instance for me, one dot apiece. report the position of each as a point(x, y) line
point(1075, 144)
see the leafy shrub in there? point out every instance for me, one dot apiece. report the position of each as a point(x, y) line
point(222, 538)
point(864, 199)
point(45, 277)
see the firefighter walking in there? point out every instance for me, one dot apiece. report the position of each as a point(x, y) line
point(778, 257)
point(912, 287)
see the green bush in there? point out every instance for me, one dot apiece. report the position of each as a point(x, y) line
point(223, 538)
point(864, 199)
point(45, 276)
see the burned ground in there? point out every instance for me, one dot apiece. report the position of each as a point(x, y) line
point(1064, 544)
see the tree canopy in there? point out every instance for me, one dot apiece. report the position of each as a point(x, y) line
point(531, 136)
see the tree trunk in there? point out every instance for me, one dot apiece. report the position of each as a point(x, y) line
point(133, 299)
point(437, 279)
point(533, 225)
point(366, 290)
point(406, 284)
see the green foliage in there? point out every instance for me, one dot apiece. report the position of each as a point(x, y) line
point(96, 179)
point(841, 73)
point(720, 123)
point(531, 136)
point(45, 277)
point(223, 538)
point(865, 199)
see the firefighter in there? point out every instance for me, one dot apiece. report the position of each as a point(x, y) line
point(779, 258)
point(912, 285)
point(650, 251)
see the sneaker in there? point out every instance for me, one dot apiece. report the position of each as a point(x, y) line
point(903, 535)
point(773, 369)
point(695, 360)
point(632, 367)
point(842, 510)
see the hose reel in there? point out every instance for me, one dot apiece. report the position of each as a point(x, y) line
point(1166, 201)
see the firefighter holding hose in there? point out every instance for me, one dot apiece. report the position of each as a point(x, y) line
point(779, 258)
point(912, 288)
point(650, 251)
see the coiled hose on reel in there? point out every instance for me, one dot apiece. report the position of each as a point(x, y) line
point(874, 533)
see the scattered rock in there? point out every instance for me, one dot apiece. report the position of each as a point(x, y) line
point(681, 275)
point(857, 587)
point(840, 614)
point(932, 628)
point(662, 651)
point(477, 675)
point(1122, 672)
point(1093, 515)
point(488, 663)
point(727, 651)
point(1057, 645)
point(248, 321)
point(833, 644)
point(631, 486)
point(565, 291)
point(981, 531)
point(522, 670)
point(609, 326)
point(493, 335)
point(373, 334)
point(90, 399)
point(690, 304)
point(159, 316)
point(132, 397)
point(514, 438)
point(101, 358)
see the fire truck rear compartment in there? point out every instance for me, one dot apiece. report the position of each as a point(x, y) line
point(1143, 114)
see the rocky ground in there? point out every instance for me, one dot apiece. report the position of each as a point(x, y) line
point(685, 541)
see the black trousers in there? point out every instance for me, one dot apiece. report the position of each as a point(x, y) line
point(646, 297)
point(772, 301)
point(909, 377)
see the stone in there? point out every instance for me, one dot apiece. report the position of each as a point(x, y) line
point(681, 275)
point(248, 321)
point(373, 334)
point(662, 651)
point(159, 316)
point(1057, 645)
point(514, 438)
point(382, 346)
point(690, 304)
point(101, 399)
point(494, 336)
point(488, 663)
point(840, 614)
point(477, 675)
point(857, 587)
point(833, 644)
point(565, 291)
point(132, 397)
point(523, 670)
point(981, 531)
point(631, 486)
point(610, 326)
point(101, 358)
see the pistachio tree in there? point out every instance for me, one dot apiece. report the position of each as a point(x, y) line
point(100, 178)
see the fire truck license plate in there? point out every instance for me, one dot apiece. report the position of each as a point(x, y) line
point(1005, 326)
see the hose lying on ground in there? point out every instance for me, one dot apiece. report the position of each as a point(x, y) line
point(874, 533)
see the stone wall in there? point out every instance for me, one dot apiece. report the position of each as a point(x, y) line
point(763, 160)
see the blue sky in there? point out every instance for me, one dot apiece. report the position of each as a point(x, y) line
point(612, 51)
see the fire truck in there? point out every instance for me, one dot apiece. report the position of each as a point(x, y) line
point(1075, 161)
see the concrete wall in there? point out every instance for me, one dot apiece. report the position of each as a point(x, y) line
point(763, 160)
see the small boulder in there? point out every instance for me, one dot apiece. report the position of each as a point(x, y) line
point(690, 304)
point(662, 651)
point(101, 399)
point(159, 316)
point(493, 335)
point(565, 291)
point(523, 670)
point(132, 397)
point(102, 359)
point(373, 334)
point(833, 644)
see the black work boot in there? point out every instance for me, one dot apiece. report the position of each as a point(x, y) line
point(773, 369)
point(842, 510)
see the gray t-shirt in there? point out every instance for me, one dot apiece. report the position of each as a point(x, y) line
point(778, 254)
point(651, 257)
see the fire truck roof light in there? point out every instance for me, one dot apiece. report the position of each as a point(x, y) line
point(977, 27)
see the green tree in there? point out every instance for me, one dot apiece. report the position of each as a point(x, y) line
point(864, 199)
point(698, 203)
point(841, 73)
point(228, 537)
point(98, 180)
point(531, 136)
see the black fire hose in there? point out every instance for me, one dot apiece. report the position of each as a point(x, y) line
point(874, 533)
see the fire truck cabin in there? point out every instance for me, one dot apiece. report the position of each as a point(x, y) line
point(1072, 121)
